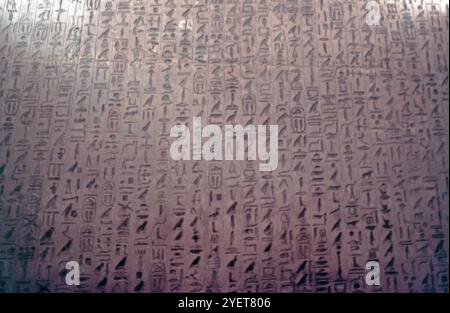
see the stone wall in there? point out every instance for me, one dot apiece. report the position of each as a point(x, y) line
point(89, 91)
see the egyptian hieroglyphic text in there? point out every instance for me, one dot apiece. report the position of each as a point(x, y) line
point(90, 89)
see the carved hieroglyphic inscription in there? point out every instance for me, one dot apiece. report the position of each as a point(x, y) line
point(90, 89)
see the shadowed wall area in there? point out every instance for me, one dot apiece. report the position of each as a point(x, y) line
point(89, 91)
